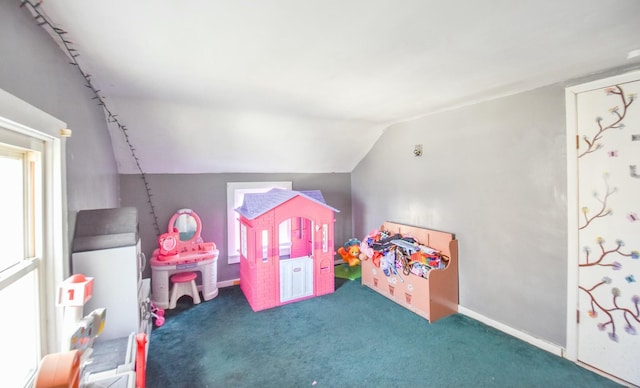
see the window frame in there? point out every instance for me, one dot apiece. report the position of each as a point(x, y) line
point(23, 269)
point(22, 126)
point(233, 223)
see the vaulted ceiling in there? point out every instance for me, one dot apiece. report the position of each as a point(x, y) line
point(310, 85)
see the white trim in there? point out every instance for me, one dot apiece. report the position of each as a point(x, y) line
point(20, 117)
point(54, 241)
point(537, 342)
point(229, 283)
point(604, 374)
point(572, 227)
point(18, 270)
point(604, 82)
point(16, 111)
point(571, 94)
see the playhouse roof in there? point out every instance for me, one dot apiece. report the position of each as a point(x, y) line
point(256, 204)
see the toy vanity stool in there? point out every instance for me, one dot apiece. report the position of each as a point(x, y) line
point(184, 283)
point(182, 252)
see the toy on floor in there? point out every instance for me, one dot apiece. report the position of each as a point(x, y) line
point(278, 268)
point(352, 256)
point(59, 370)
point(156, 312)
point(79, 332)
point(141, 360)
point(184, 283)
point(350, 252)
point(182, 249)
point(63, 369)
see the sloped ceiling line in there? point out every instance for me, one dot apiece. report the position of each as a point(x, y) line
point(59, 33)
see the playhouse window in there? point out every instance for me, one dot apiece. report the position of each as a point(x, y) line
point(235, 196)
point(265, 246)
point(325, 238)
point(243, 239)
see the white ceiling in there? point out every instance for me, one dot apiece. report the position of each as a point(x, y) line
point(309, 85)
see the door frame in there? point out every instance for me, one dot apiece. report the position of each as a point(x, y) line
point(573, 249)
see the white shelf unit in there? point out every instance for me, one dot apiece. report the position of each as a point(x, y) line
point(107, 247)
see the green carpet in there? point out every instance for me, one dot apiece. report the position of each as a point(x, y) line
point(345, 272)
point(351, 338)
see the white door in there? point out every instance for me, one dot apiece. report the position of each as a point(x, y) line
point(608, 227)
point(296, 278)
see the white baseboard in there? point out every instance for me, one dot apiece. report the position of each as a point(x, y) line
point(537, 342)
point(228, 283)
point(603, 374)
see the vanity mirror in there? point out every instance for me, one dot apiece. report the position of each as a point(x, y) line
point(187, 223)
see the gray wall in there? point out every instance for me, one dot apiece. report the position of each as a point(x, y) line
point(493, 173)
point(34, 69)
point(206, 194)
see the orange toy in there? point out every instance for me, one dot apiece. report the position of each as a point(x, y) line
point(350, 252)
point(59, 370)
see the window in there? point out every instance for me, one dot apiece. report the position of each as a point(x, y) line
point(31, 236)
point(243, 237)
point(265, 245)
point(325, 238)
point(235, 196)
point(21, 259)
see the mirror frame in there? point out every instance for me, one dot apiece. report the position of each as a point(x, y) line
point(196, 238)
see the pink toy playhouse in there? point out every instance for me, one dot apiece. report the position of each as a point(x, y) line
point(286, 247)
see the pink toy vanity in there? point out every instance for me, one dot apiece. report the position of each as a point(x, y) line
point(182, 249)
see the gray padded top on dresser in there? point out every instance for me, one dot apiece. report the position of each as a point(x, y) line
point(109, 355)
point(105, 228)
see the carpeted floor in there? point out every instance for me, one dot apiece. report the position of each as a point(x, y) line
point(351, 338)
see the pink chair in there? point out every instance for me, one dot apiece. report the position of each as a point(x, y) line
point(184, 283)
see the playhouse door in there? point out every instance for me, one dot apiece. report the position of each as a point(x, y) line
point(608, 122)
point(296, 278)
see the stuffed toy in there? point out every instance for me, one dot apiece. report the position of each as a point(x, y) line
point(350, 252)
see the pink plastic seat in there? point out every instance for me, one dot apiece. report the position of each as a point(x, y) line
point(184, 277)
point(184, 283)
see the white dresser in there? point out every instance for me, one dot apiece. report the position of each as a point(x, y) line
point(106, 246)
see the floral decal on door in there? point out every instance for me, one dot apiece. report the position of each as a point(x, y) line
point(593, 143)
point(610, 308)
